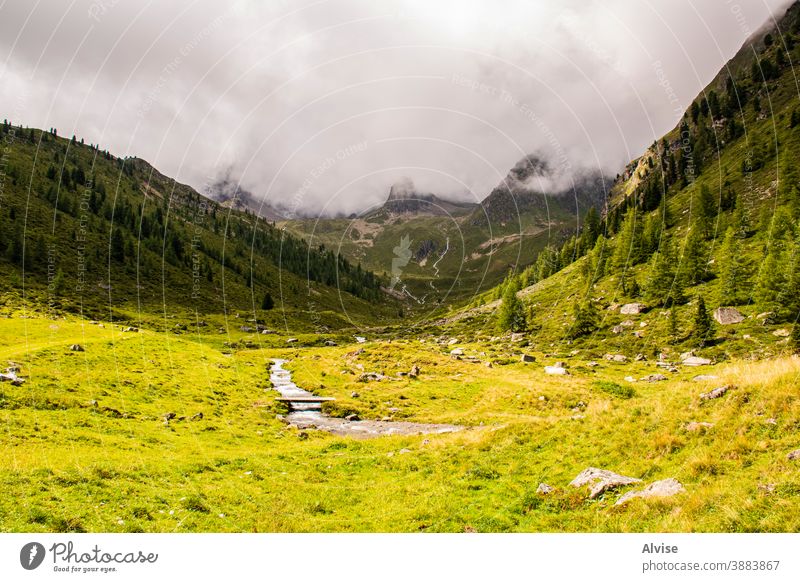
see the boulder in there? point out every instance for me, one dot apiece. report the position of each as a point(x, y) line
point(654, 378)
point(727, 316)
point(527, 358)
point(704, 378)
point(640, 358)
point(129, 329)
point(197, 416)
point(699, 426)
point(371, 376)
point(352, 418)
point(794, 455)
point(715, 393)
point(627, 323)
point(601, 481)
point(544, 489)
point(452, 342)
point(457, 352)
point(696, 361)
point(354, 395)
point(414, 371)
point(76, 348)
point(13, 378)
point(330, 343)
point(632, 308)
point(556, 371)
point(360, 339)
point(781, 332)
point(291, 340)
point(617, 329)
point(663, 488)
point(629, 379)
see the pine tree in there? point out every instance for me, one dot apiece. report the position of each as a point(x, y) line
point(731, 270)
point(705, 210)
point(702, 322)
point(694, 265)
point(771, 280)
point(794, 338)
point(674, 331)
point(511, 315)
point(585, 319)
point(267, 303)
point(117, 245)
point(663, 287)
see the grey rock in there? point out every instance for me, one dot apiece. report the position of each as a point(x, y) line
point(601, 480)
point(704, 378)
point(794, 455)
point(76, 348)
point(544, 489)
point(556, 371)
point(654, 378)
point(291, 340)
point(781, 332)
point(617, 329)
point(197, 416)
point(663, 488)
point(632, 308)
point(352, 418)
point(527, 358)
point(330, 343)
point(696, 361)
point(728, 316)
point(715, 393)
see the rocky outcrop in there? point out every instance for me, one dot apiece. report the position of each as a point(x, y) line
point(663, 488)
point(728, 316)
point(715, 393)
point(601, 480)
point(696, 361)
point(632, 308)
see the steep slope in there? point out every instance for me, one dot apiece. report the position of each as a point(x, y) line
point(707, 215)
point(83, 231)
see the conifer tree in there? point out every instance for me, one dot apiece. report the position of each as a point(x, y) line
point(694, 264)
point(731, 270)
point(585, 319)
point(511, 315)
point(267, 303)
point(702, 322)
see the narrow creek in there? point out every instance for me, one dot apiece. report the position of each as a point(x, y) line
point(305, 412)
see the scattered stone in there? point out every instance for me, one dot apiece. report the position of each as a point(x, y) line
point(352, 418)
point(766, 316)
point(617, 329)
point(354, 395)
point(794, 455)
point(403, 451)
point(457, 352)
point(781, 332)
point(330, 343)
point(527, 358)
point(76, 348)
point(13, 378)
point(168, 416)
point(360, 339)
point(370, 377)
point(414, 371)
point(766, 487)
point(291, 340)
point(699, 426)
point(663, 488)
point(642, 324)
point(601, 481)
point(197, 416)
point(728, 316)
point(130, 329)
point(654, 378)
point(638, 334)
point(715, 393)
point(639, 358)
point(629, 379)
point(685, 355)
point(592, 364)
point(616, 358)
point(696, 361)
point(560, 364)
point(517, 337)
point(704, 378)
point(488, 364)
point(627, 323)
point(632, 308)
point(772, 421)
point(452, 342)
point(556, 371)
point(544, 489)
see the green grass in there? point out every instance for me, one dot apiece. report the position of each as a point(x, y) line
point(74, 466)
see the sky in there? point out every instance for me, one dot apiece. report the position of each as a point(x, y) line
point(319, 106)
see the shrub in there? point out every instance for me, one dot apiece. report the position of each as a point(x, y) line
point(615, 389)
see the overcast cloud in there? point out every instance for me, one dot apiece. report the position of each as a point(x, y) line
point(322, 105)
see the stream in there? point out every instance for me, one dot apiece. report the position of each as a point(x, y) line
point(304, 414)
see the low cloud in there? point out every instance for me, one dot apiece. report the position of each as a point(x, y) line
point(322, 106)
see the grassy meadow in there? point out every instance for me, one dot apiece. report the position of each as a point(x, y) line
point(86, 448)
